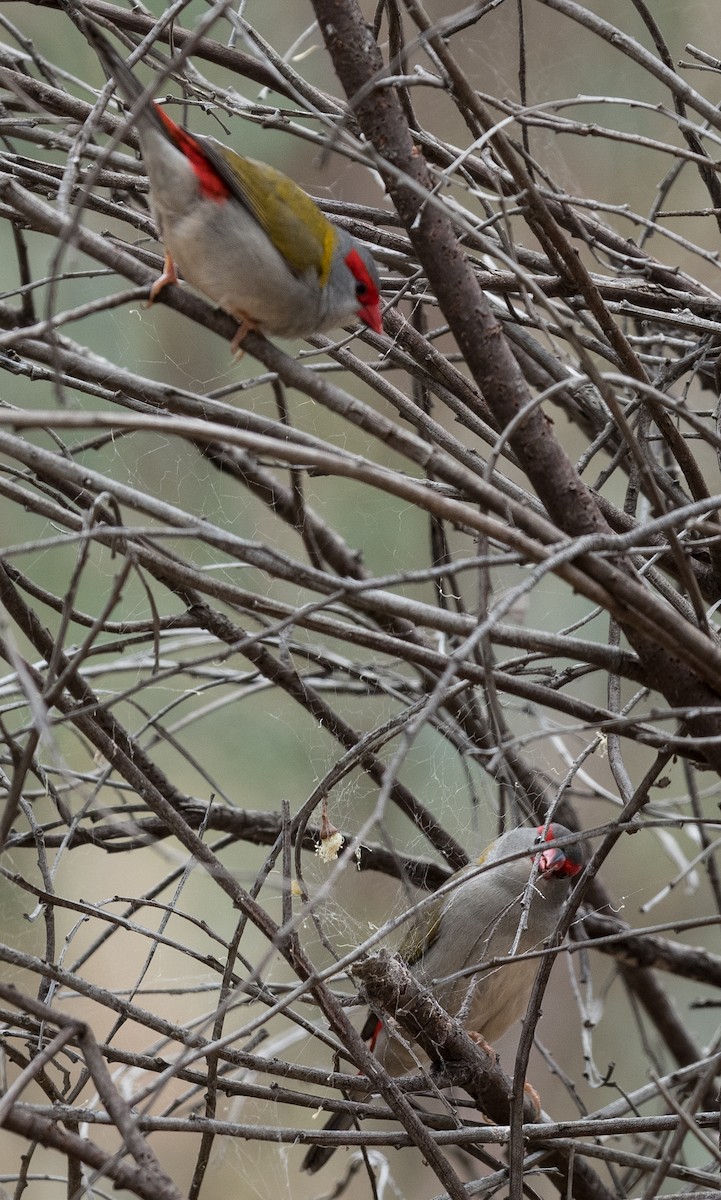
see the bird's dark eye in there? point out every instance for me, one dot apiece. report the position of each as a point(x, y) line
point(361, 290)
point(545, 835)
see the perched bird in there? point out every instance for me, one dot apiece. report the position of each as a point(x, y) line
point(241, 232)
point(475, 922)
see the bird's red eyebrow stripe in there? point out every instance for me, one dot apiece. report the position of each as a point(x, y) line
point(211, 184)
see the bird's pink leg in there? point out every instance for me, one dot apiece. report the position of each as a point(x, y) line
point(169, 275)
point(533, 1096)
point(479, 1040)
point(247, 324)
point(531, 1093)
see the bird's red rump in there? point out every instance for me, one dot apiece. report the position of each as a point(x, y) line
point(375, 1034)
point(211, 184)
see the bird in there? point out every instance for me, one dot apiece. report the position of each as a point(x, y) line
point(472, 923)
point(242, 232)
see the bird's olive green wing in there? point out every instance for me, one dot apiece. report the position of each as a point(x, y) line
point(293, 222)
point(423, 932)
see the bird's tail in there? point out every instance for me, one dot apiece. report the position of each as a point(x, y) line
point(318, 1156)
point(115, 67)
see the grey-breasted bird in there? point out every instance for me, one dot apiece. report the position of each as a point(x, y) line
point(473, 923)
point(240, 231)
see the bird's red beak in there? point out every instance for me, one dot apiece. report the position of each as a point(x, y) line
point(551, 861)
point(370, 314)
point(554, 861)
